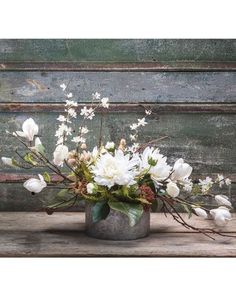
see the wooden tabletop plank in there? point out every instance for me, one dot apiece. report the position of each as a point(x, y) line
point(62, 234)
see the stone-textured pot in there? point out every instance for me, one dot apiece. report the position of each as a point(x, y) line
point(116, 226)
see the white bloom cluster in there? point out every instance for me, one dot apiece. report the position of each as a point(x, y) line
point(206, 184)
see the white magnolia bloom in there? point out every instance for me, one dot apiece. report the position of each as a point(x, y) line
point(30, 129)
point(172, 189)
point(60, 154)
point(221, 215)
point(90, 187)
point(220, 180)
point(72, 113)
point(105, 102)
point(142, 122)
point(35, 185)
point(37, 143)
point(228, 181)
point(110, 145)
point(118, 169)
point(69, 95)
point(159, 170)
point(200, 212)
point(7, 161)
point(78, 139)
point(96, 95)
point(71, 103)
point(223, 200)
point(205, 184)
point(181, 170)
point(63, 86)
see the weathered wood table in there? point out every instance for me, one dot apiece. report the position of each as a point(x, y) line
point(25, 234)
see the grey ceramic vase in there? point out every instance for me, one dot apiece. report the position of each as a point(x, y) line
point(116, 226)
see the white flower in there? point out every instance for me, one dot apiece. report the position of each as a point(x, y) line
point(221, 215)
point(62, 118)
point(159, 170)
point(60, 154)
point(228, 181)
point(104, 102)
point(148, 112)
point(72, 113)
point(71, 103)
point(220, 180)
point(134, 126)
point(78, 139)
point(200, 212)
point(35, 185)
point(63, 129)
point(172, 189)
point(223, 200)
point(90, 187)
point(205, 184)
point(30, 129)
point(181, 170)
point(37, 144)
point(69, 95)
point(87, 113)
point(133, 149)
point(118, 169)
point(63, 86)
point(110, 145)
point(96, 95)
point(7, 161)
point(133, 137)
point(187, 185)
point(84, 130)
point(142, 122)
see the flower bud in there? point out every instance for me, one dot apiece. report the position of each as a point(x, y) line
point(200, 212)
point(35, 185)
point(172, 189)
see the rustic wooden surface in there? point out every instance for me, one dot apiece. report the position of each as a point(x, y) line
point(62, 234)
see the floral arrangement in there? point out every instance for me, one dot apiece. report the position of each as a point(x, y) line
point(130, 178)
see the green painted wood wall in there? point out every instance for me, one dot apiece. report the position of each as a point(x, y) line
point(190, 85)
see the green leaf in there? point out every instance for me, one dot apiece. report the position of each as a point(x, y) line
point(62, 192)
point(154, 205)
point(100, 211)
point(41, 149)
point(29, 159)
point(132, 210)
point(47, 177)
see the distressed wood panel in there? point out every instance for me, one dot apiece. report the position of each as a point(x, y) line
point(117, 50)
point(132, 87)
point(63, 235)
point(206, 140)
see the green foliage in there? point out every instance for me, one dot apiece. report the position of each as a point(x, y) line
point(134, 211)
point(154, 205)
point(30, 159)
point(41, 149)
point(47, 177)
point(152, 162)
point(100, 211)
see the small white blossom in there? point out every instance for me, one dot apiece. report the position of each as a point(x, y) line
point(63, 129)
point(205, 184)
point(110, 145)
point(133, 137)
point(96, 95)
point(104, 102)
point(134, 126)
point(228, 181)
point(62, 118)
point(63, 86)
point(90, 188)
point(142, 122)
point(87, 113)
point(84, 130)
point(72, 113)
point(133, 148)
point(69, 95)
point(7, 161)
point(148, 112)
point(220, 180)
point(78, 139)
point(71, 103)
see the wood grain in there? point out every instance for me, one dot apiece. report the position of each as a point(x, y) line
point(62, 235)
point(120, 87)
